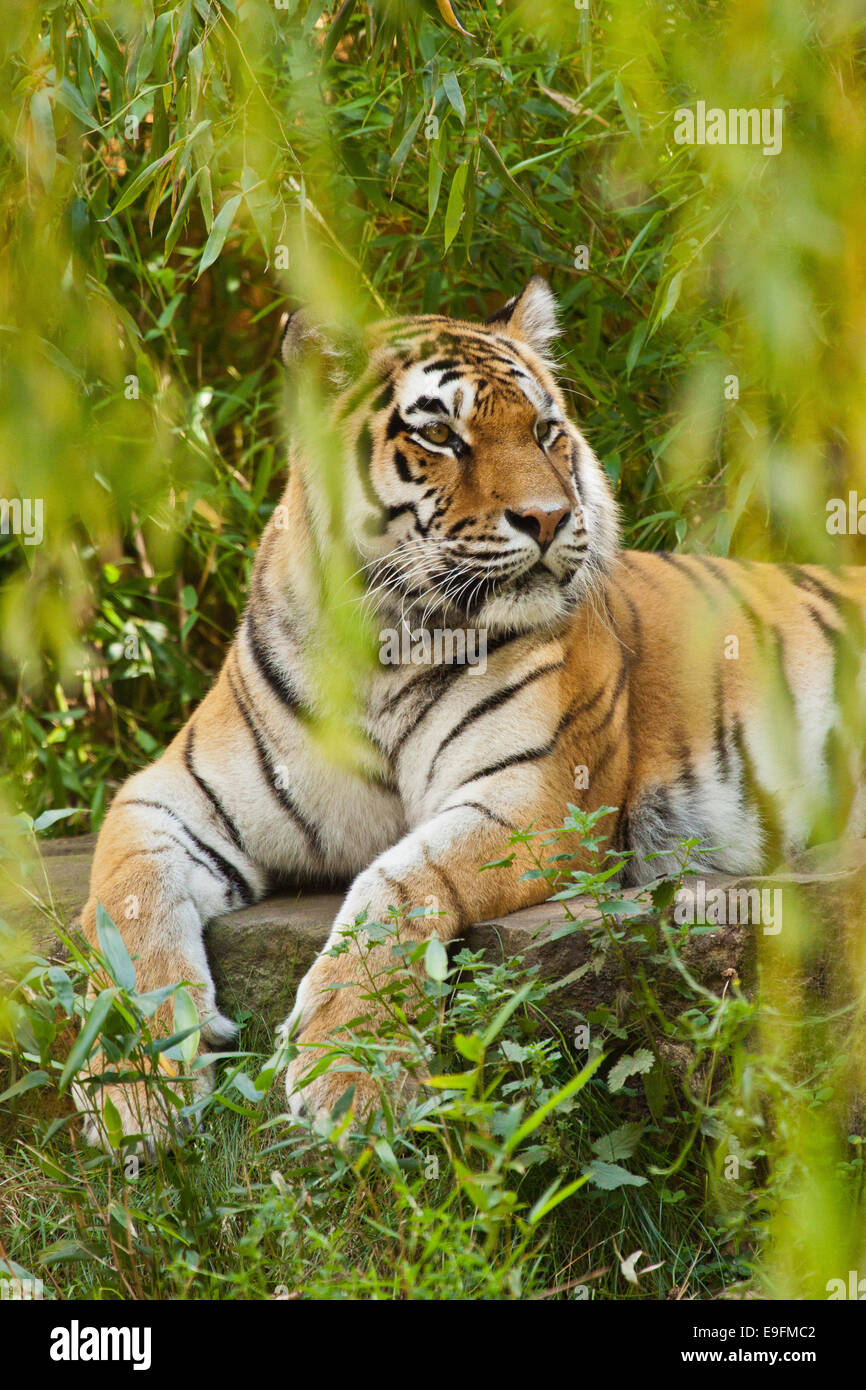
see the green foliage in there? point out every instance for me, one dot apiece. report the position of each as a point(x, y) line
point(508, 1174)
point(173, 171)
point(526, 1163)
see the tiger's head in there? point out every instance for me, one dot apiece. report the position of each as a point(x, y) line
point(472, 498)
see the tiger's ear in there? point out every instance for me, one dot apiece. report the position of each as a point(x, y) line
point(531, 316)
point(333, 356)
point(301, 339)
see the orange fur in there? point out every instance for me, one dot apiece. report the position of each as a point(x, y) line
point(700, 697)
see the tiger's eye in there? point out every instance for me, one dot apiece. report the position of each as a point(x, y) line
point(437, 433)
point(543, 430)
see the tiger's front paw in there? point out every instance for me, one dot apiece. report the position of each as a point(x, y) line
point(147, 1118)
point(317, 1096)
point(334, 1051)
point(335, 1024)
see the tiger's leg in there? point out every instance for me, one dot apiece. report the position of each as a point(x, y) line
point(163, 867)
point(440, 859)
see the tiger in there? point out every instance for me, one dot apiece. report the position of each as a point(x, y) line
point(701, 698)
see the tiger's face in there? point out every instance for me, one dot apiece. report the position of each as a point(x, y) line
point(474, 499)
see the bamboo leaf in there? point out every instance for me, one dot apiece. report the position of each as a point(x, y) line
point(80, 1050)
point(571, 1088)
point(26, 1083)
point(68, 96)
point(113, 947)
point(44, 142)
point(145, 176)
point(452, 91)
point(178, 222)
point(436, 960)
point(446, 9)
point(186, 1019)
point(553, 1196)
point(454, 210)
point(218, 233)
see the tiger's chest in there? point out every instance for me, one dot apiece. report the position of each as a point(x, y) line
point(444, 725)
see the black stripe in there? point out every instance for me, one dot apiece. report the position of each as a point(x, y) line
point(622, 830)
point(430, 404)
point(847, 641)
point(720, 745)
point(799, 576)
point(533, 754)
point(831, 633)
point(357, 397)
point(374, 525)
point(442, 364)
point(402, 467)
point(437, 678)
point(165, 849)
point(757, 624)
point(433, 678)
point(485, 811)
point(491, 702)
point(680, 562)
point(614, 701)
point(846, 735)
point(365, 457)
point(222, 813)
point(268, 770)
point(636, 625)
point(450, 886)
point(601, 755)
point(687, 772)
point(277, 678)
point(384, 398)
point(195, 860)
point(832, 820)
point(528, 756)
point(227, 869)
point(766, 634)
point(754, 794)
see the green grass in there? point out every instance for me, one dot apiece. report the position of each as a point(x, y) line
point(529, 1163)
point(431, 1207)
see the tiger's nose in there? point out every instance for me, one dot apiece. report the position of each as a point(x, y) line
point(541, 525)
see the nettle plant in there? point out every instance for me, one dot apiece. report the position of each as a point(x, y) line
point(639, 932)
point(502, 1125)
point(505, 1134)
point(95, 991)
point(501, 1117)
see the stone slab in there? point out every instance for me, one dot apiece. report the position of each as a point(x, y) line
point(259, 954)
